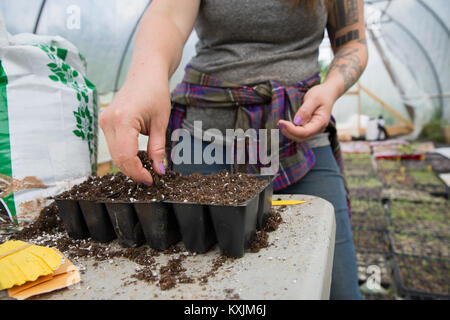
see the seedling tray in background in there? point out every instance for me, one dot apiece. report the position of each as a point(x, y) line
point(411, 272)
point(426, 245)
point(371, 241)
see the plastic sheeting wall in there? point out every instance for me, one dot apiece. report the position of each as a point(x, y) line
point(413, 35)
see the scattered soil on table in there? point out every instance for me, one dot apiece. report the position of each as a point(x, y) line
point(261, 239)
point(173, 273)
point(48, 221)
point(216, 265)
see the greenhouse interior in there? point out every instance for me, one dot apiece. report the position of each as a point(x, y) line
point(393, 126)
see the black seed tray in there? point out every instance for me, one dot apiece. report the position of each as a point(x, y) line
point(164, 223)
point(412, 293)
point(159, 224)
point(97, 220)
point(72, 218)
point(126, 224)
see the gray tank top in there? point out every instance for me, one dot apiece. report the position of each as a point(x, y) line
point(251, 41)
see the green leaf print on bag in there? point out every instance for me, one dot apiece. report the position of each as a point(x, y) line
point(85, 122)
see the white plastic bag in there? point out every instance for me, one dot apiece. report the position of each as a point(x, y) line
point(48, 118)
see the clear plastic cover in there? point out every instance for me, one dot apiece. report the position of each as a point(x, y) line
point(408, 43)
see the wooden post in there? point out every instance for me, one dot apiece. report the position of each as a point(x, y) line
point(359, 109)
point(408, 123)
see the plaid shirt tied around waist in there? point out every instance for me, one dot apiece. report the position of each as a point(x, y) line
point(258, 107)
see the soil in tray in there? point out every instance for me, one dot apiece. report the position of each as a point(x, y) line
point(357, 159)
point(365, 193)
point(397, 179)
point(421, 245)
point(425, 275)
point(359, 172)
point(363, 182)
point(368, 240)
point(438, 162)
point(220, 188)
point(434, 214)
point(367, 206)
point(410, 195)
point(368, 221)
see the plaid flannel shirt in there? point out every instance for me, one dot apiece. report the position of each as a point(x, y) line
point(258, 107)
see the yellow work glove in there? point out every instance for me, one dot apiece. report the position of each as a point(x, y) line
point(21, 262)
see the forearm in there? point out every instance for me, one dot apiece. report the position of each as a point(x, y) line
point(347, 66)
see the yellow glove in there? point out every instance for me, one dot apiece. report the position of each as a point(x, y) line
point(21, 262)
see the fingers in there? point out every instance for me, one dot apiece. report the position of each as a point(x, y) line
point(125, 156)
point(305, 132)
point(306, 110)
point(121, 137)
point(156, 144)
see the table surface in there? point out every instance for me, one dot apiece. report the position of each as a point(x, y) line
point(297, 265)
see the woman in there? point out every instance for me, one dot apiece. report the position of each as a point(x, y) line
point(259, 57)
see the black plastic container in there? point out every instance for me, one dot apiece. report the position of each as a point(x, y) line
point(265, 201)
point(126, 224)
point(97, 220)
point(196, 227)
point(414, 294)
point(159, 224)
point(72, 218)
point(235, 225)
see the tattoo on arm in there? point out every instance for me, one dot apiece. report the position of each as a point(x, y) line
point(349, 36)
point(349, 65)
point(346, 13)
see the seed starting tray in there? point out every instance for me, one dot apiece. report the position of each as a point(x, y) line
point(415, 294)
point(164, 223)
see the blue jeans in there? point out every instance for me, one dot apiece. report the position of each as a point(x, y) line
point(324, 180)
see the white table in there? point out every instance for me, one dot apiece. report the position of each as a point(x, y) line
point(297, 266)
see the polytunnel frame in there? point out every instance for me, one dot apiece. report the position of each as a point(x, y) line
point(127, 45)
point(415, 40)
point(384, 12)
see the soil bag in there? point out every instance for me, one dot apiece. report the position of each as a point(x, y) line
point(48, 120)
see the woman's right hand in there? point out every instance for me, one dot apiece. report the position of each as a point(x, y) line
point(143, 103)
point(134, 110)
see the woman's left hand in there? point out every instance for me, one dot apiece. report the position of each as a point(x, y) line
point(313, 116)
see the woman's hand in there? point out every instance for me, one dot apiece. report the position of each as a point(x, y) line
point(137, 110)
point(313, 116)
point(143, 103)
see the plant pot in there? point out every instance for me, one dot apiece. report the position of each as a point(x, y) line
point(72, 218)
point(126, 224)
point(235, 226)
point(159, 224)
point(196, 227)
point(97, 220)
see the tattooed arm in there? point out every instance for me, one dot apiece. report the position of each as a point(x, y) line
point(347, 35)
